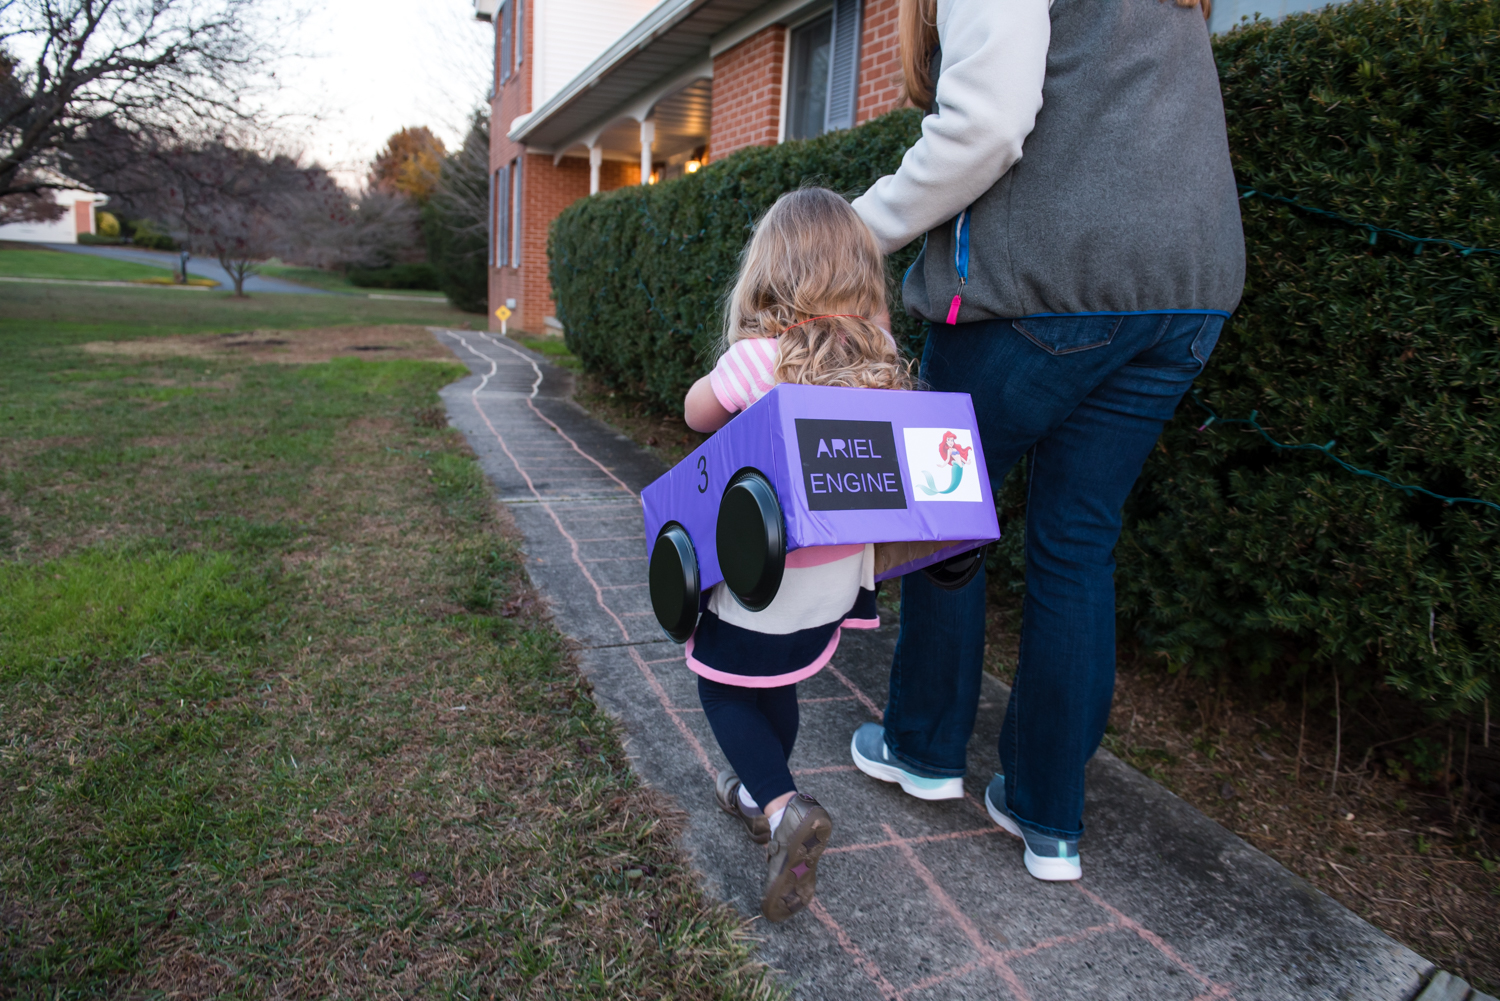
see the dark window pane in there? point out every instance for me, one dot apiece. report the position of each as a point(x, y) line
point(807, 104)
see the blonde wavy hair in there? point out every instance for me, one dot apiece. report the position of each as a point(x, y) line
point(813, 278)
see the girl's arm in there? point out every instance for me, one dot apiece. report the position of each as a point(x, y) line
point(702, 409)
point(988, 96)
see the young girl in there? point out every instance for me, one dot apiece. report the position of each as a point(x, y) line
point(808, 307)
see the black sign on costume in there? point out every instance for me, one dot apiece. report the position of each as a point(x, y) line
point(850, 465)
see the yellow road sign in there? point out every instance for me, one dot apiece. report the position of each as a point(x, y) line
point(502, 314)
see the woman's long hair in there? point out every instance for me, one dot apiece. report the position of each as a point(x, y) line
point(812, 277)
point(917, 26)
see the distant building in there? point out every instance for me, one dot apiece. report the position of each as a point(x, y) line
point(78, 218)
point(592, 95)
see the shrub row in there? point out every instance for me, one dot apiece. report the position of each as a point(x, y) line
point(405, 276)
point(638, 273)
point(1236, 556)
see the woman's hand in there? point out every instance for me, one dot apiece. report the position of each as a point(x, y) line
point(702, 409)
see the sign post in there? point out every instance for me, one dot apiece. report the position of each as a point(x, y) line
point(504, 314)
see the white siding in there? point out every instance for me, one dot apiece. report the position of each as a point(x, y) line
point(62, 230)
point(570, 34)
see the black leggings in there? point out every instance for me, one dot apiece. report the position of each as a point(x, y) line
point(755, 728)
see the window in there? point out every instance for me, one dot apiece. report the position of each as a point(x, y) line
point(494, 207)
point(502, 217)
point(823, 72)
point(807, 90)
point(515, 214)
point(520, 32)
point(503, 56)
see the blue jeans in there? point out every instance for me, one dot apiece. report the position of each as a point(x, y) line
point(1087, 397)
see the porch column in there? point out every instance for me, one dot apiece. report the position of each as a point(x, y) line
point(596, 159)
point(648, 136)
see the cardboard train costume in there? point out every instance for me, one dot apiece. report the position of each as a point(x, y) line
point(803, 467)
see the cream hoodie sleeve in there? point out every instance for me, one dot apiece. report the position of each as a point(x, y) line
point(988, 96)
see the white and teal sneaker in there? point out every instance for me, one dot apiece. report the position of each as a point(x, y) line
point(1052, 859)
point(872, 757)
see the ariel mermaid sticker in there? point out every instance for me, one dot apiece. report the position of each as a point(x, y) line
point(940, 461)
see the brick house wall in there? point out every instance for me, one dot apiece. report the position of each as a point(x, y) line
point(880, 86)
point(747, 93)
point(546, 189)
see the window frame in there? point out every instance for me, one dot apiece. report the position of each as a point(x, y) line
point(507, 41)
point(789, 69)
point(502, 217)
point(514, 236)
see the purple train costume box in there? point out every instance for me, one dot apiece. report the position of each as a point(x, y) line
point(818, 466)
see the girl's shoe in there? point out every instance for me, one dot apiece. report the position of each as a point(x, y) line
point(727, 794)
point(1048, 858)
point(792, 859)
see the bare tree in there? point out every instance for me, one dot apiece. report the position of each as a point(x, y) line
point(141, 66)
point(241, 208)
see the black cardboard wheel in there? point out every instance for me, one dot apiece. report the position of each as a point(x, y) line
point(750, 539)
point(673, 576)
point(956, 571)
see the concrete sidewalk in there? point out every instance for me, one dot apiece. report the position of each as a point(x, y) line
point(916, 900)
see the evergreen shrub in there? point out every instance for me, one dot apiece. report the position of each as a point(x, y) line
point(420, 275)
point(1236, 556)
point(639, 273)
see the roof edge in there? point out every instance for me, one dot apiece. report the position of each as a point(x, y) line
point(663, 17)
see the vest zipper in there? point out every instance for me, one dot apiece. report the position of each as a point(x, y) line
point(960, 262)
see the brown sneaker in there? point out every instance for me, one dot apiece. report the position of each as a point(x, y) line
point(792, 858)
point(727, 793)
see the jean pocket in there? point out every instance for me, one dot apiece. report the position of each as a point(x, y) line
point(1207, 339)
point(1064, 335)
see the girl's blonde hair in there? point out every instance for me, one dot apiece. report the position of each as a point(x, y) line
point(813, 278)
point(916, 25)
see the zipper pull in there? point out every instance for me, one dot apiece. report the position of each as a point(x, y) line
point(957, 301)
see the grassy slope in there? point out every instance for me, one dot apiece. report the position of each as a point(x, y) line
point(330, 281)
point(302, 731)
point(61, 264)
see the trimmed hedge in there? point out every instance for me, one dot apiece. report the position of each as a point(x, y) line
point(1236, 556)
point(638, 273)
point(404, 276)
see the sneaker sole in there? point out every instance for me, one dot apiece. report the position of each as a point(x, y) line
point(797, 883)
point(947, 789)
point(1051, 870)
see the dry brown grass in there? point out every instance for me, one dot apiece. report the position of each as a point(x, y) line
point(287, 347)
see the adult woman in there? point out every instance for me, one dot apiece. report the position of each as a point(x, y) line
point(1083, 251)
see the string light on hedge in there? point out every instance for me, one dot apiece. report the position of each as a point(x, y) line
point(1417, 242)
point(1327, 449)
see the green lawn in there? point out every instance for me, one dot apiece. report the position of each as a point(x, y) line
point(81, 313)
point(61, 264)
point(279, 715)
point(331, 281)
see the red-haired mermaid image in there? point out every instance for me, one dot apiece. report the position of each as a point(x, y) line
point(956, 456)
point(952, 452)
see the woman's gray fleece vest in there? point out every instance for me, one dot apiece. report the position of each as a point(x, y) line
point(1123, 200)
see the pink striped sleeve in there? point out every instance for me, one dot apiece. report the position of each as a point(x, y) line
point(745, 373)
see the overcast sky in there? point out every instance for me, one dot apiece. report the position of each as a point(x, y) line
point(367, 68)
